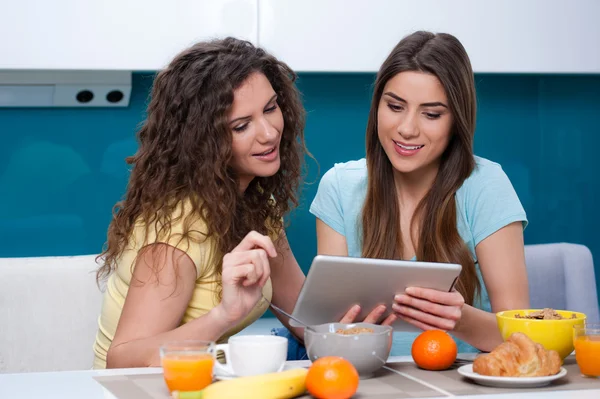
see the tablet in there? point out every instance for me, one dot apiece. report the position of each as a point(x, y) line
point(335, 283)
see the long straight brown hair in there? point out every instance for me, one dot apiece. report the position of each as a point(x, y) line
point(438, 240)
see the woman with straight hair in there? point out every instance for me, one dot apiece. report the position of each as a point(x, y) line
point(422, 194)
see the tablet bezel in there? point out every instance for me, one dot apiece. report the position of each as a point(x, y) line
point(335, 283)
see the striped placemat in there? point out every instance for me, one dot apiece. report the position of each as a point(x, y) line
point(394, 381)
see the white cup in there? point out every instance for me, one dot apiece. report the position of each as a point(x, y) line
point(253, 355)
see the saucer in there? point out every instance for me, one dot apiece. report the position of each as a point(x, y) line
point(509, 382)
point(219, 375)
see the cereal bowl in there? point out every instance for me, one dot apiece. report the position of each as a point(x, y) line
point(552, 334)
point(367, 346)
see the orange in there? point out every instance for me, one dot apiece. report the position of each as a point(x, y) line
point(332, 377)
point(434, 350)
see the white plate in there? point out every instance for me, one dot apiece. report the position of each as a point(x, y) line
point(509, 382)
point(218, 375)
point(468, 357)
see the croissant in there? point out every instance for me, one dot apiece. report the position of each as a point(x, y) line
point(519, 356)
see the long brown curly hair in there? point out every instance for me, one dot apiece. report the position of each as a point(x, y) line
point(439, 241)
point(185, 152)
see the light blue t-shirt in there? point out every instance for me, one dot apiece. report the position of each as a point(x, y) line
point(485, 203)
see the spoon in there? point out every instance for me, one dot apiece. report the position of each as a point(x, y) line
point(283, 312)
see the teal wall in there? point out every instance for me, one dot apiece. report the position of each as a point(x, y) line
point(61, 170)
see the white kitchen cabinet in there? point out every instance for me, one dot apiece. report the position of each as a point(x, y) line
point(133, 35)
point(507, 36)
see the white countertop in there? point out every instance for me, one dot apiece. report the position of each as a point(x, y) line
point(80, 384)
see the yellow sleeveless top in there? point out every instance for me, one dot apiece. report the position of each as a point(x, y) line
point(199, 249)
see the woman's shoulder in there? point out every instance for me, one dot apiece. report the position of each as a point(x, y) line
point(182, 218)
point(346, 173)
point(485, 173)
point(179, 226)
point(354, 167)
point(487, 200)
point(485, 168)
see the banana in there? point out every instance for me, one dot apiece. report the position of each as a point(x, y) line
point(283, 385)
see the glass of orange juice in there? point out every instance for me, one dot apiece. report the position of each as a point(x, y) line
point(187, 365)
point(586, 339)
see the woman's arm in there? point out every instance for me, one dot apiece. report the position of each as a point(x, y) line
point(329, 241)
point(161, 288)
point(154, 306)
point(502, 263)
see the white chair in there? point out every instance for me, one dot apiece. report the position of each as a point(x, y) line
point(561, 276)
point(48, 313)
point(49, 307)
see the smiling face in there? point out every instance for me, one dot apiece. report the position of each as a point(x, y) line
point(414, 122)
point(256, 123)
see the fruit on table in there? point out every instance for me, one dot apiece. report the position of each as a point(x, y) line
point(332, 377)
point(283, 385)
point(434, 350)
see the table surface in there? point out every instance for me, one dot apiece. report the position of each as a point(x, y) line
point(81, 384)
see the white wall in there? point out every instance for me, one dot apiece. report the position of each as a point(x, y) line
point(114, 34)
point(509, 36)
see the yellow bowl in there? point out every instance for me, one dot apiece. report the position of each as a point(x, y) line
point(552, 334)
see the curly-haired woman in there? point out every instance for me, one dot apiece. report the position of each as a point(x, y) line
point(198, 243)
